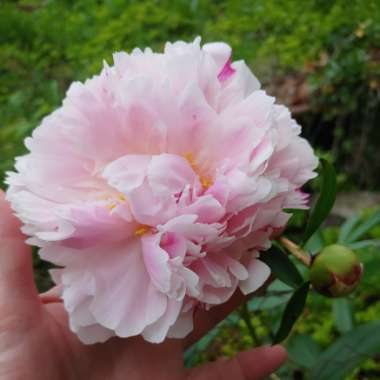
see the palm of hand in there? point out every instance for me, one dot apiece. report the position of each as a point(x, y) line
point(41, 346)
point(36, 343)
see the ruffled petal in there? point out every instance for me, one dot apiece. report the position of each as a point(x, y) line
point(258, 273)
point(169, 174)
point(157, 332)
point(128, 172)
point(156, 262)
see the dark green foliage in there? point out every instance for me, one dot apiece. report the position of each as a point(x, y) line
point(303, 350)
point(363, 228)
point(325, 201)
point(342, 312)
point(292, 312)
point(347, 353)
point(282, 267)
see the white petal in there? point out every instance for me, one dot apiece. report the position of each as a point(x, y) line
point(220, 52)
point(157, 332)
point(183, 326)
point(258, 274)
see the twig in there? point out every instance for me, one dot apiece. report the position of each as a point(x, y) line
point(296, 251)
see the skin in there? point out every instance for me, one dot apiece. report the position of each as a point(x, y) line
point(36, 343)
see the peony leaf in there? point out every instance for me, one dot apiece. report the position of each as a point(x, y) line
point(282, 267)
point(315, 243)
point(343, 315)
point(347, 227)
point(267, 302)
point(303, 350)
point(365, 227)
point(325, 201)
point(364, 244)
point(293, 310)
point(348, 352)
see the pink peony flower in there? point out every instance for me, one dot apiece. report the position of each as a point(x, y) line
point(155, 186)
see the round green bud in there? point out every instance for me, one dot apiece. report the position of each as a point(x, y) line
point(335, 271)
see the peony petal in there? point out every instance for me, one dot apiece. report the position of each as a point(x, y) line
point(94, 334)
point(169, 174)
point(219, 51)
point(208, 209)
point(156, 332)
point(183, 326)
point(128, 172)
point(258, 273)
point(156, 262)
point(126, 301)
point(149, 208)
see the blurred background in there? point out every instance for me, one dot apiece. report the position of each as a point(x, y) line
point(320, 57)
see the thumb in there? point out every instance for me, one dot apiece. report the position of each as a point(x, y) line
point(17, 289)
point(254, 364)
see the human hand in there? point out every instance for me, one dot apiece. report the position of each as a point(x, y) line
point(36, 342)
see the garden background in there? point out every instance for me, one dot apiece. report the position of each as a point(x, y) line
point(320, 57)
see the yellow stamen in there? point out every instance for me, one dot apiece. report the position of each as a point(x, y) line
point(206, 182)
point(111, 206)
point(113, 202)
point(122, 197)
point(142, 230)
point(190, 159)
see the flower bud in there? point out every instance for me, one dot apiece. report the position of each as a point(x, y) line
point(335, 271)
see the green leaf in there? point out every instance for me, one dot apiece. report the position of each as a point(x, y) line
point(325, 201)
point(292, 311)
point(282, 267)
point(303, 350)
point(233, 319)
point(365, 227)
point(364, 244)
point(342, 315)
point(315, 243)
point(279, 286)
point(348, 352)
point(347, 227)
point(267, 302)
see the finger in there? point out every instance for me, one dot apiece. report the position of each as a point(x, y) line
point(204, 320)
point(52, 295)
point(59, 313)
point(254, 364)
point(17, 289)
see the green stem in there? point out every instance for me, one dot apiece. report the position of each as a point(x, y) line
point(247, 319)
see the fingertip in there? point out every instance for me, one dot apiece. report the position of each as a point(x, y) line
point(262, 361)
point(279, 353)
